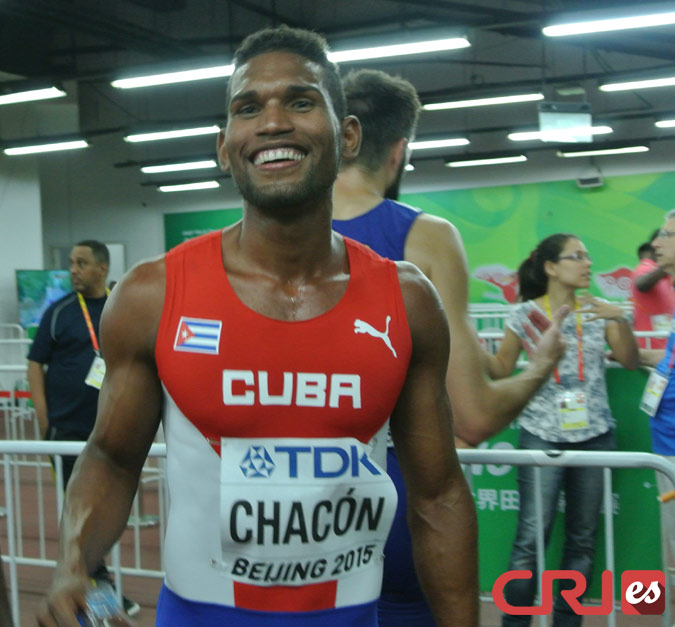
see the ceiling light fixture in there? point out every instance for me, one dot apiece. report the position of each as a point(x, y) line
point(438, 143)
point(50, 147)
point(606, 151)
point(561, 134)
point(605, 25)
point(398, 50)
point(168, 78)
point(340, 56)
point(185, 187)
point(31, 94)
point(667, 81)
point(490, 161)
point(178, 167)
point(186, 132)
point(665, 124)
point(409, 167)
point(482, 102)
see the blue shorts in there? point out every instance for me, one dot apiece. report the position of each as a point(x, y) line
point(174, 611)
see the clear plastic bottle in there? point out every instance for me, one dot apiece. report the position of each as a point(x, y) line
point(102, 606)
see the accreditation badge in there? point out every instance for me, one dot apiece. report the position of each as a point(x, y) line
point(298, 511)
point(96, 373)
point(651, 397)
point(572, 410)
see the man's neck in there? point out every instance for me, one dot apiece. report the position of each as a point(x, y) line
point(94, 292)
point(356, 192)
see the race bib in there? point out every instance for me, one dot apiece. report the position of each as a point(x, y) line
point(651, 397)
point(572, 410)
point(297, 511)
point(96, 373)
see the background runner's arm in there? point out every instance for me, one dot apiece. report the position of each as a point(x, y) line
point(441, 514)
point(102, 488)
point(481, 407)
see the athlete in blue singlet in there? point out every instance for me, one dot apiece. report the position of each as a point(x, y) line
point(365, 209)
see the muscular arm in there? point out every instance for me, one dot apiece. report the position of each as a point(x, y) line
point(441, 514)
point(102, 488)
point(481, 407)
point(36, 383)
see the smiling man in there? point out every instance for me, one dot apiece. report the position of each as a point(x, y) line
point(274, 351)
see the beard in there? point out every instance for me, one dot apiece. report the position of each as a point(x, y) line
point(280, 199)
point(392, 192)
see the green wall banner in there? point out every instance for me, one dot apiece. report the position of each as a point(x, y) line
point(501, 225)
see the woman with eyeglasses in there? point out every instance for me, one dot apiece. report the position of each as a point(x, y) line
point(569, 412)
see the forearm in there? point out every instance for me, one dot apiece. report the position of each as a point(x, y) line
point(96, 511)
point(36, 383)
point(624, 345)
point(647, 281)
point(650, 356)
point(444, 533)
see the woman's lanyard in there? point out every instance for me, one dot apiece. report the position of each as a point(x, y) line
point(580, 343)
point(87, 319)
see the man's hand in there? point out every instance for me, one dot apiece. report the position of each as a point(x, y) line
point(546, 343)
point(67, 600)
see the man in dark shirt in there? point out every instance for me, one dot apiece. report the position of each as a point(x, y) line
point(65, 395)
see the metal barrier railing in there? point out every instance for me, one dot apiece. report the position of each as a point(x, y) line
point(12, 452)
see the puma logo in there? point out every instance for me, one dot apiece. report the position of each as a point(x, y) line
point(363, 327)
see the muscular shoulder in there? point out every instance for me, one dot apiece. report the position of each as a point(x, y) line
point(134, 308)
point(422, 303)
point(433, 240)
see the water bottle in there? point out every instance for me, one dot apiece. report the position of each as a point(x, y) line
point(102, 606)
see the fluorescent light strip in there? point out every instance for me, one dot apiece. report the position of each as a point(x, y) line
point(33, 94)
point(668, 81)
point(222, 71)
point(602, 26)
point(534, 135)
point(665, 123)
point(607, 151)
point(200, 74)
point(398, 50)
point(184, 187)
point(494, 161)
point(482, 102)
point(186, 132)
point(29, 150)
point(178, 167)
point(438, 143)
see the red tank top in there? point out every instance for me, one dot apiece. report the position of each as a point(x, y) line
point(278, 502)
point(235, 373)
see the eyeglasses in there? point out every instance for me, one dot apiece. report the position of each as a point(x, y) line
point(665, 234)
point(579, 256)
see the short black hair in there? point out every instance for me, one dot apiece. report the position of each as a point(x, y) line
point(645, 249)
point(100, 250)
point(388, 108)
point(304, 43)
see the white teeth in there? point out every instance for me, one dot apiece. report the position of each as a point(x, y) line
point(278, 154)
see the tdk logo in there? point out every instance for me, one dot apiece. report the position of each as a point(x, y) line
point(257, 463)
point(320, 462)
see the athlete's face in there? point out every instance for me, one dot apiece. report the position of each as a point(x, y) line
point(282, 141)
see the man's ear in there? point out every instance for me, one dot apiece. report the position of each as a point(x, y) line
point(223, 160)
point(351, 137)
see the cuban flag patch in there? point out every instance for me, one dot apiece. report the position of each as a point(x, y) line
point(196, 335)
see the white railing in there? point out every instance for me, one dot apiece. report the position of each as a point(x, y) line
point(14, 454)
